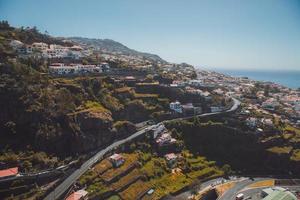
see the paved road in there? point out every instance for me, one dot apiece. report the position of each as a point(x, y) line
point(62, 188)
point(185, 195)
point(231, 193)
point(254, 193)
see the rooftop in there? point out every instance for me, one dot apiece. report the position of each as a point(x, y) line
point(77, 195)
point(278, 193)
point(9, 172)
point(116, 157)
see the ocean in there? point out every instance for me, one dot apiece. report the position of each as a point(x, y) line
point(289, 79)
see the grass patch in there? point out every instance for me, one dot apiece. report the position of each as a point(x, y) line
point(123, 89)
point(103, 166)
point(296, 155)
point(265, 183)
point(170, 183)
point(134, 190)
point(126, 179)
point(280, 150)
point(115, 197)
point(97, 189)
point(139, 95)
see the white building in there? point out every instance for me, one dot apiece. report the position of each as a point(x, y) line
point(165, 139)
point(270, 104)
point(176, 106)
point(60, 68)
point(40, 46)
point(267, 122)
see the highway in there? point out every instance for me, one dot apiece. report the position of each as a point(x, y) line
point(67, 183)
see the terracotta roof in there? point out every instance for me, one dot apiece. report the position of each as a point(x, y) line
point(77, 195)
point(9, 172)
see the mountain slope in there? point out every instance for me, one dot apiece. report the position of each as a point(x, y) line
point(111, 46)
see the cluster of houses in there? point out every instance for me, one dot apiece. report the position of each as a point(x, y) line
point(45, 50)
point(278, 100)
point(164, 140)
point(189, 109)
point(260, 124)
point(61, 68)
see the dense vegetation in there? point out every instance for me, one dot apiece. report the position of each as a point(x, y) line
point(242, 151)
point(53, 118)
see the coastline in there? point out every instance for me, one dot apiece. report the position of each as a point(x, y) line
point(288, 78)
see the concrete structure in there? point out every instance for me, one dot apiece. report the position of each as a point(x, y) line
point(277, 193)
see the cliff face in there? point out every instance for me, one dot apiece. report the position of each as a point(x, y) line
point(91, 129)
point(58, 116)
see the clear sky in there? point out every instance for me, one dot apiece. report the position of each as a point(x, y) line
point(260, 34)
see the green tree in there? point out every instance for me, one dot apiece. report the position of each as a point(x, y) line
point(227, 170)
point(27, 165)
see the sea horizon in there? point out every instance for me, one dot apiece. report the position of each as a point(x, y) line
point(289, 78)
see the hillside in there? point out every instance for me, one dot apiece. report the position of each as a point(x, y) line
point(111, 46)
point(60, 116)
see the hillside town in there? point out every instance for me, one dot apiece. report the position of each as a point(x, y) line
point(114, 123)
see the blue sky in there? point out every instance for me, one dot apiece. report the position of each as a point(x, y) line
point(258, 34)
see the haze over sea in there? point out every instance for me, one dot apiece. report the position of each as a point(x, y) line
point(288, 78)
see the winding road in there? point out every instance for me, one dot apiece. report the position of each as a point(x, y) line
point(68, 182)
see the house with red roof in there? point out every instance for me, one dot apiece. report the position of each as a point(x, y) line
point(9, 172)
point(78, 195)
